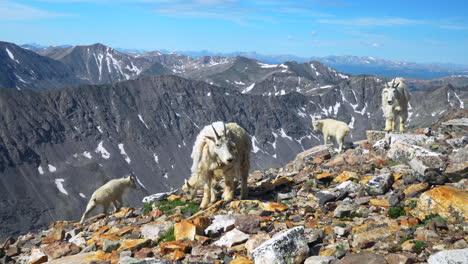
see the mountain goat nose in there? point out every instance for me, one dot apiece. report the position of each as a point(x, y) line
point(229, 160)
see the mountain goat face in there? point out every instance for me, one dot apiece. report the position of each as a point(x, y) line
point(395, 98)
point(111, 192)
point(220, 151)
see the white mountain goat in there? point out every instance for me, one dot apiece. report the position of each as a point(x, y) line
point(111, 192)
point(332, 128)
point(395, 98)
point(220, 151)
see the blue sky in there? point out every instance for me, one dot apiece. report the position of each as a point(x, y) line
point(409, 30)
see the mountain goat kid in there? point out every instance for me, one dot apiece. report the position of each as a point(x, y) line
point(332, 128)
point(111, 192)
point(220, 151)
point(395, 98)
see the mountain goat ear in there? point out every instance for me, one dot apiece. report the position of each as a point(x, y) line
point(211, 138)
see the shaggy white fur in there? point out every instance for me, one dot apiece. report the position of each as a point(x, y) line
point(395, 98)
point(111, 192)
point(332, 128)
point(221, 151)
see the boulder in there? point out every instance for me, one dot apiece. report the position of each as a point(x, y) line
point(457, 168)
point(379, 184)
point(287, 247)
point(456, 256)
point(232, 238)
point(247, 224)
point(429, 168)
point(448, 202)
point(154, 231)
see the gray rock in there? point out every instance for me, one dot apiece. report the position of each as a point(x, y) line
point(429, 168)
point(155, 230)
point(342, 210)
point(457, 168)
point(319, 260)
point(340, 231)
point(158, 196)
point(288, 247)
point(363, 257)
point(247, 224)
point(89, 248)
point(221, 223)
point(379, 184)
point(130, 260)
point(326, 197)
point(110, 245)
point(232, 238)
point(456, 256)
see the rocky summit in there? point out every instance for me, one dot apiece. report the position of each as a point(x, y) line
point(393, 198)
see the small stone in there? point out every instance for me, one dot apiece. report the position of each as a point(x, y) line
point(144, 253)
point(59, 249)
point(346, 176)
point(398, 259)
point(205, 250)
point(12, 251)
point(324, 177)
point(167, 248)
point(319, 260)
point(247, 224)
point(457, 168)
point(232, 238)
point(413, 189)
point(201, 222)
point(133, 244)
point(125, 253)
point(37, 256)
point(460, 244)
point(221, 223)
point(326, 197)
point(342, 210)
point(363, 257)
point(110, 245)
point(380, 202)
point(241, 260)
point(271, 206)
point(340, 231)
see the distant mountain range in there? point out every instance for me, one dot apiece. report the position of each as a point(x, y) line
point(73, 117)
point(350, 64)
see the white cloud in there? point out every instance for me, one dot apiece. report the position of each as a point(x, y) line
point(371, 21)
point(14, 11)
point(313, 33)
point(454, 27)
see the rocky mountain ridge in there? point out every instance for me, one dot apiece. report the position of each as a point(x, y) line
point(58, 146)
point(392, 198)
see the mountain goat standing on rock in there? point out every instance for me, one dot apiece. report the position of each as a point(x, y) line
point(395, 98)
point(111, 192)
point(220, 151)
point(332, 128)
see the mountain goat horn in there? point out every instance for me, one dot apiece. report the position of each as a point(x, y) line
point(216, 133)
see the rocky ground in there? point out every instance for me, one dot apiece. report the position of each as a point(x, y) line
point(393, 198)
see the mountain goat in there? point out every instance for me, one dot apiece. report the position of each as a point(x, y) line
point(332, 128)
point(220, 151)
point(395, 98)
point(111, 192)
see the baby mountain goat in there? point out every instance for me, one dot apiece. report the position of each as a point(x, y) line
point(332, 128)
point(220, 151)
point(111, 192)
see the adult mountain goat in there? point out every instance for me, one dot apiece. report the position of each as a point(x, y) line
point(220, 151)
point(111, 192)
point(395, 98)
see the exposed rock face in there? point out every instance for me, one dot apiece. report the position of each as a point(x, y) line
point(448, 202)
point(24, 69)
